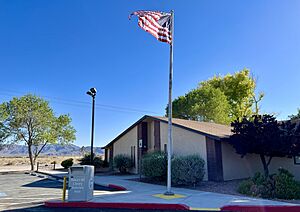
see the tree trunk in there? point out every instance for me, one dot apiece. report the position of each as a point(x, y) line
point(30, 157)
point(37, 152)
point(265, 165)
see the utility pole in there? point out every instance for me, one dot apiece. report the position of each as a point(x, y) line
point(92, 92)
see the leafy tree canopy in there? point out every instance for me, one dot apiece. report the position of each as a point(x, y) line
point(296, 116)
point(263, 135)
point(220, 99)
point(206, 103)
point(30, 119)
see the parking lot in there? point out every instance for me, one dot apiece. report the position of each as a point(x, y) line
point(20, 190)
point(24, 192)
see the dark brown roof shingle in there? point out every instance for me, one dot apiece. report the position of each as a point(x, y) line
point(213, 130)
point(210, 128)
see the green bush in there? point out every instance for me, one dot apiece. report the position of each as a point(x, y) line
point(67, 163)
point(258, 178)
point(154, 165)
point(286, 187)
point(245, 187)
point(263, 186)
point(86, 160)
point(122, 162)
point(187, 170)
point(105, 164)
point(281, 185)
point(98, 162)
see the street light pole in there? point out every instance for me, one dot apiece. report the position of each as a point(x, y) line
point(92, 92)
point(92, 136)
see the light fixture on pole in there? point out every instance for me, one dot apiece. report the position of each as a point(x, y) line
point(92, 92)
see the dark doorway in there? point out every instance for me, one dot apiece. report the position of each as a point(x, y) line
point(144, 137)
point(214, 160)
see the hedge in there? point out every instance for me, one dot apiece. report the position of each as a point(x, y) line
point(187, 170)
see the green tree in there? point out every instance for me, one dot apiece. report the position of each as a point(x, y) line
point(295, 117)
point(220, 99)
point(30, 119)
point(3, 135)
point(203, 104)
point(263, 135)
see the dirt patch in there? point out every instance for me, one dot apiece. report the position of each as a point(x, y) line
point(23, 163)
point(15, 161)
point(228, 187)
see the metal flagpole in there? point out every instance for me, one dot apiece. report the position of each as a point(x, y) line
point(170, 142)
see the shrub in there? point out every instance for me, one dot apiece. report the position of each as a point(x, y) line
point(122, 162)
point(263, 186)
point(281, 185)
point(105, 164)
point(286, 187)
point(98, 162)
point(154, 165)
point(187, 170)
point(86, 160)
point(245, 187)
point(67, 163)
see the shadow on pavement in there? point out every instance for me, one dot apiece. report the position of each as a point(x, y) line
point(44, 183)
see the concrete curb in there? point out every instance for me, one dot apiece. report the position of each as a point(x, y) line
point(117, 187)
point(117, 205)
point(260, 208)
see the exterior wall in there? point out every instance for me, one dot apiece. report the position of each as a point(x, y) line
point(286, 163)
point(123, 146)
point(235, 167)
point(185, 142)
point(107, 155)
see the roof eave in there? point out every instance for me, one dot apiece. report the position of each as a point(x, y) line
point(218, 138)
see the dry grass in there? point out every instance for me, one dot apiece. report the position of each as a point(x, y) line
point(16, 161)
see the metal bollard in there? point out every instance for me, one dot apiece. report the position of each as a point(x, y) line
point(64, 189)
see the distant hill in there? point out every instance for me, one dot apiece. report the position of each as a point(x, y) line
point(49, 150)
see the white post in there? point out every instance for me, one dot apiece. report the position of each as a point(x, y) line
point(170, 142)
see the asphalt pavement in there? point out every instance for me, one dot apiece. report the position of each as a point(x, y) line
point(25, 192)
point(20, 190)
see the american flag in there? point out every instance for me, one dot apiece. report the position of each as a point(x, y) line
point(157, 23)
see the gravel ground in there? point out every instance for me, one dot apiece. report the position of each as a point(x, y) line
point(228, 187)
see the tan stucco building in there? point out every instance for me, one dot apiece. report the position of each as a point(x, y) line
point(192, 137)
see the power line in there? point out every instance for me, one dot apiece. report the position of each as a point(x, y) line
point(77, 103)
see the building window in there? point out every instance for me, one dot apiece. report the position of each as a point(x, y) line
point(297, 160)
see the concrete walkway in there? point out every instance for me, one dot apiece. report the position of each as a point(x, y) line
point(138, 192)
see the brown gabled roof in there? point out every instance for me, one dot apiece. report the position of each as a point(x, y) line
point(209, 129)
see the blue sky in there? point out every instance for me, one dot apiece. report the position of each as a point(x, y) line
point(58, 49)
